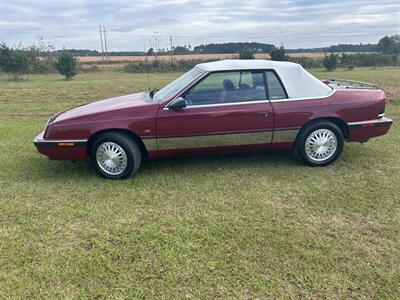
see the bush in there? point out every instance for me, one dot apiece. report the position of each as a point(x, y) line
point(66, 65)
point(43, 65)
point(279, 54)
point(330, 61)
point(368, 60)
point(161, 66)
point(246, 54)
point(87, 68)
point(307, 62)
point(13, 61)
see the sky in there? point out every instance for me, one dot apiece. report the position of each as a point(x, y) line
point(135, 25)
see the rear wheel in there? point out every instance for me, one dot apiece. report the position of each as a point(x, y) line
point(319, 143)
point(115, 155)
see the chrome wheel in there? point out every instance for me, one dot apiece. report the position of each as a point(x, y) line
point(321, 144)
point(111, 158)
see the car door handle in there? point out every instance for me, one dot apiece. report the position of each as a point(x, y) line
point(263, 113)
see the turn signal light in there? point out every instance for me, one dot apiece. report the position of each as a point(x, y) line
point(66, 144)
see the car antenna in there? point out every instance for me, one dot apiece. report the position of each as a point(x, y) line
point(148, 80)
point(147, 69)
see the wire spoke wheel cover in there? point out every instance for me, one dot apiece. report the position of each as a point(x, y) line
point(321, 145)
point(111, 158)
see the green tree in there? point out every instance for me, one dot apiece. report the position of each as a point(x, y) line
point(13, 61)
point(347, 61)
point(279, 54)
point(246, 53)
point(42, 57)
point(389, 44)
point(150, 52)
point(66, 65)
point(330, 61)
point(181, 50)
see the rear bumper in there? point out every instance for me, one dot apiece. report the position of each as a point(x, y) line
point(61, 149)
point(363, 130)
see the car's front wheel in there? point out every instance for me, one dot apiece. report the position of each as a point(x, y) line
point(319, 143)
point(115, 155)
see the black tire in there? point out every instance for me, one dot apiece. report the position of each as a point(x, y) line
point(129, 146)
point(300, 145)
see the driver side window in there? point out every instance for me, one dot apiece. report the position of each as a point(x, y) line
point(227, 87)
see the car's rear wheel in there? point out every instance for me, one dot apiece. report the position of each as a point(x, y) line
point(319, 143)
point(115, 155)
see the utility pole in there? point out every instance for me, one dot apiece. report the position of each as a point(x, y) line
point(170, 43)
point(157, 44)
point(101, 40)
point(144, 45)
point(105, 41)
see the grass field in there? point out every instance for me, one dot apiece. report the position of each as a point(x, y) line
point(226, 226)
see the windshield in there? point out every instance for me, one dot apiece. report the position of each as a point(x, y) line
point(176, 85)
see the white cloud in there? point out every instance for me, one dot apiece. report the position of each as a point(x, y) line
point(301, 23)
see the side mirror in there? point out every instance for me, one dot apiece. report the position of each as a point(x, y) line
point(179, 103)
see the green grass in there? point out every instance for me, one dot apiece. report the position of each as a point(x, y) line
point(230, 226)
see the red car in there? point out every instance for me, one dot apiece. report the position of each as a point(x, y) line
point(229, 105)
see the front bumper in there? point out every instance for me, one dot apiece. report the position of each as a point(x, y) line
point(61, 149)
point(363, 130)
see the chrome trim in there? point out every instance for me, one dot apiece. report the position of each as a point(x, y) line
point(303, 99)
point(48, 123)
point(223, 104)
point(283, 136)
point(150, 144)
point(42, 141)
point(376, 121)
point(215, 140)
point(338, 81)
point(221, 139)
point(256, 101)
point(381, 115)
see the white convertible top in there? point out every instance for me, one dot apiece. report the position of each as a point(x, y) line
point(297, 81)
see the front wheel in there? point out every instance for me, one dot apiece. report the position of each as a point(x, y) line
point(319, 143)
point(115, 155)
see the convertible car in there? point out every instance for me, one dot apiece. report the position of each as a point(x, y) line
point(228, 105)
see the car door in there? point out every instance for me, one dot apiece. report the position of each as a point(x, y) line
point(289, 115)
point(226, 110)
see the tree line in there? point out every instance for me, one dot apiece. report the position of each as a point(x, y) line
point(387, 45)
point(43, 58)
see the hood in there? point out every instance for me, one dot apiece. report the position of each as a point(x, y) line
point(101, 110)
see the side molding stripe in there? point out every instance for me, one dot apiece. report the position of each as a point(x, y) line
point(150, 144)
point(217, 140)
point(220, 140)
point(284, 136)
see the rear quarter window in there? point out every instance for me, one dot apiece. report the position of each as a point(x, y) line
point(275, 88)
